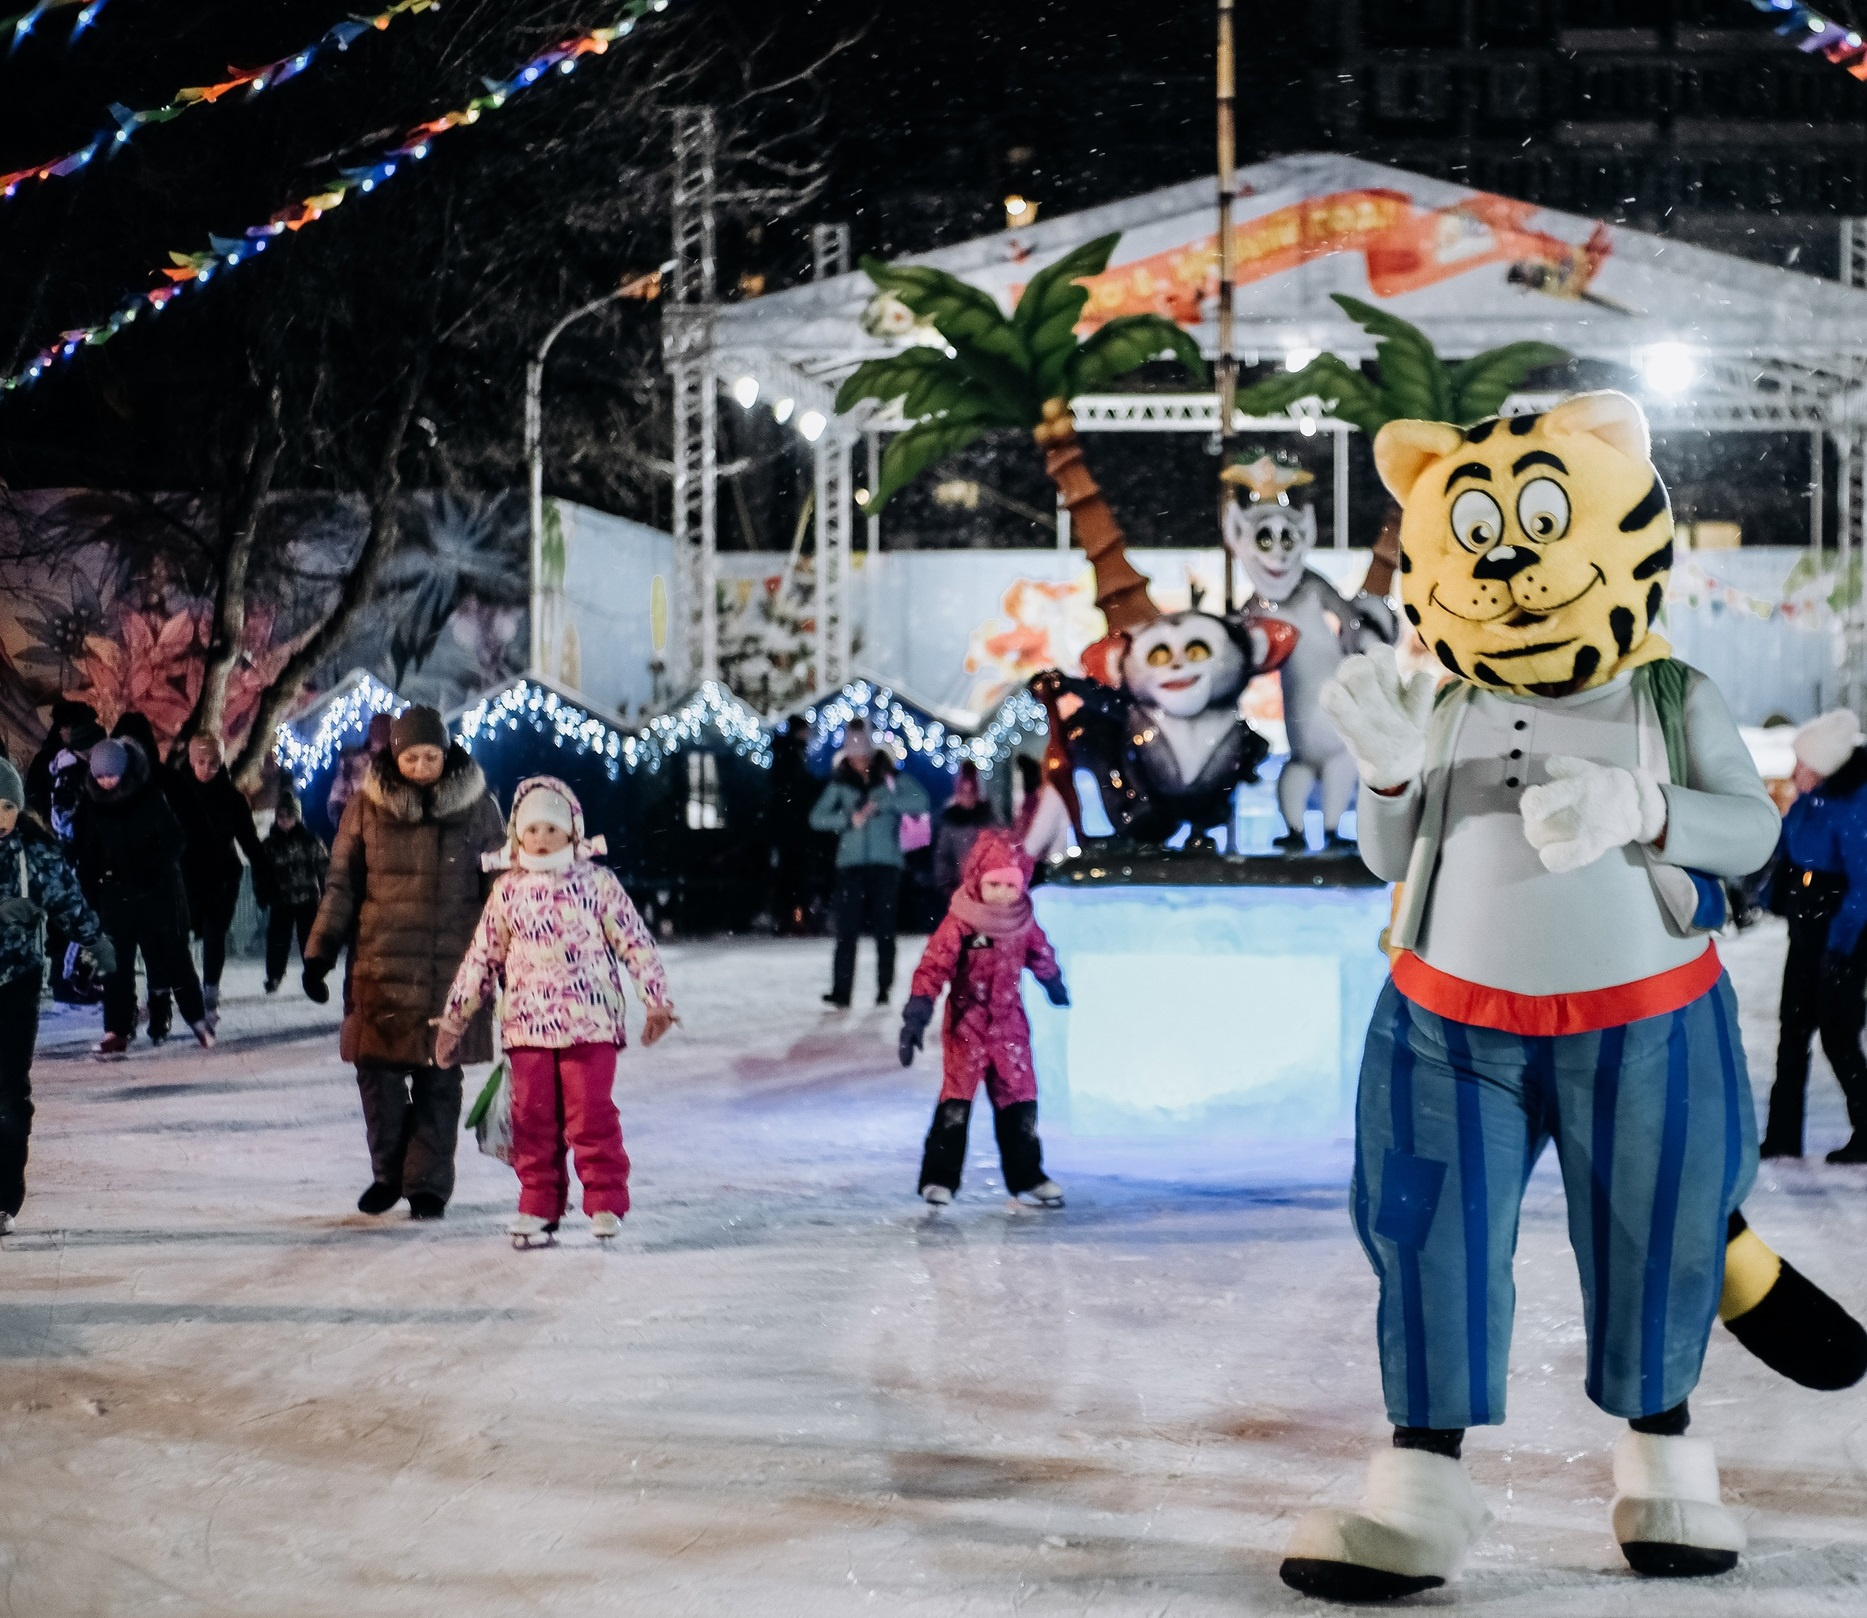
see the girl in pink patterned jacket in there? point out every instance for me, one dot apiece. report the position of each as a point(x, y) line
point(554, 928)
point(978, 954)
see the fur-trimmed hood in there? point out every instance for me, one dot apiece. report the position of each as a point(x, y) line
point(461, 786)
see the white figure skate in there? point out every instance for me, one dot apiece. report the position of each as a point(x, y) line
point(937, 1196)
point(1669, 1517)
point(1045, 1194)
point(605, 1226)
point(528, 1230)
point(1419, 1516)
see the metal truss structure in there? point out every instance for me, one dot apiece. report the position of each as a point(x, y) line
point(687, 350)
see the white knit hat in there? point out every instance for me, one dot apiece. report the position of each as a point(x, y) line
point(1828, 741)
point(544, 806)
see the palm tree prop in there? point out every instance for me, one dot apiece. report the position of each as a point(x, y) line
point(1020, 372)
point(1411, 383)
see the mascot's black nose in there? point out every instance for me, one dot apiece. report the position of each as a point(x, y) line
point(1504, 561)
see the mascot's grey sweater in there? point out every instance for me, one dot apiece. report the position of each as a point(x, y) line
point(1490, 913)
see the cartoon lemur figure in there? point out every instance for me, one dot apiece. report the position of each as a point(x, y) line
point(1273, 540)
point(1559, 813)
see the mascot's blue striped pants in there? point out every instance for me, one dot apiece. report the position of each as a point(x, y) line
point(1657, 1139)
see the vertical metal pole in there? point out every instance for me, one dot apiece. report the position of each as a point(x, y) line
point(535, 478)
point(1341, 486)
point(1228, 358)
point(688, 344)
point(872, 545)
point(1844, 514)
point(1817, 470)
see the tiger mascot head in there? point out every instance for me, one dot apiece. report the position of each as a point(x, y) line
point(1534, 549)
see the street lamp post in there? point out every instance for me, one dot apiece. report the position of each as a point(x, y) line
point(535, 459)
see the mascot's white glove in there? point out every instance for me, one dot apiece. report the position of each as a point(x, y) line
point(1588, 809)
point(1381, 714)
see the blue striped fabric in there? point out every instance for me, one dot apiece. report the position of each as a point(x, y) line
point(1656, 1138)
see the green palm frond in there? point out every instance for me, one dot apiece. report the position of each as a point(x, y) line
point(1481, 384)
point(1052, 304)
point(910, 453)
point(1413, 378)
point(1120, 346)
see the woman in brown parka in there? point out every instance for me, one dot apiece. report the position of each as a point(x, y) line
point(405, 891)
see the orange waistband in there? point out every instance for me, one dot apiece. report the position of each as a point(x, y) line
point(1580, 1013)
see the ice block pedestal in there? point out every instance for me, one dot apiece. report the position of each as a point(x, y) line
point(1219, 1007)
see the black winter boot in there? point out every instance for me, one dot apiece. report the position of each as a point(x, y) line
point(379, 1198)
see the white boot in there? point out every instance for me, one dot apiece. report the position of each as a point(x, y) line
point(605, 1226)
point(529, 1230)
point(1418, 1517)
point(1045, 1194)
point(937, 1196)
point(1668, 1514)
point(6, 1224)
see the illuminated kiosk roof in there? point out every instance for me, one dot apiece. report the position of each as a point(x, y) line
point(1768, 347)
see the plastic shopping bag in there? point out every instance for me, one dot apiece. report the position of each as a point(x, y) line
point(490, 1117)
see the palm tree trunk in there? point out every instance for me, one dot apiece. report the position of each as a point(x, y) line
point(1121, 592)
point(1386, 553)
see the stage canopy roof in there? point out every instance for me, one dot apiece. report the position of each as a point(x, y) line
point(1723, 341)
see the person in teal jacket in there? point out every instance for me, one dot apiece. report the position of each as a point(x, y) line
point(864, 805)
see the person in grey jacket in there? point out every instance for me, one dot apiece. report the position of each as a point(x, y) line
point(864, 805)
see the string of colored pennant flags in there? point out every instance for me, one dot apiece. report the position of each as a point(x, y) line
point(1815, 34)
point(22, 23)
point(229, 252)
point(252, 81)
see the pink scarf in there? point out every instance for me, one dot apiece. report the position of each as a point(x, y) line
point(995, 921)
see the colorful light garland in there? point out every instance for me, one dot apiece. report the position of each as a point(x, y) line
point(226, 252)
point(340, 37)
point(346, 714)
point(1819, 35)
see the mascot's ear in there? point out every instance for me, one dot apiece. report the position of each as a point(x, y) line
point(1612, 417)
point(1270, 641)
point(1404, 449)
point(1102, 661)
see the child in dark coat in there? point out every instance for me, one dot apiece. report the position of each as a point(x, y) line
point(36, 887)
point(979, 953)
point(299, 860)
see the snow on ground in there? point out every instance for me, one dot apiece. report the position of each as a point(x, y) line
point(789, 1390)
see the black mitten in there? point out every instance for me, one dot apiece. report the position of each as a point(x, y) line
point(915, 1016)
point(1059, 995)
point(103, 955)
point(316, 989)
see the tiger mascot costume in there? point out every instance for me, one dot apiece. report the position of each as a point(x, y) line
point(1559, 814)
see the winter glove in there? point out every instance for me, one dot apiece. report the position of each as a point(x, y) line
point(19, 911)
point(915, 1016)
point(316, 989)
point(1053, 987)
point(1588, 809)
point(103, 956)
point(1381, 716)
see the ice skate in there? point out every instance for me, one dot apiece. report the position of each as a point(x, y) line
point(1668, 1514)
point(1045, 1194)
point(272, 985)
point(529, 1230)
point(605, 1226)
point(426, 1205)
point(937, 1196)
point(1854, 1152)
point(161, 1017)
point(379, 1198)
point(6, 1224)
point(1419, 1516)
point(203, 1033)
point(112, 1048)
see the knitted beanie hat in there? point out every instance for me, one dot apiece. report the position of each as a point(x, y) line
point(1828, 741)
point(419, 726)
point(12, 788)
point(109, 759)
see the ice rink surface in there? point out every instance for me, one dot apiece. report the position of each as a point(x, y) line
point(788, 1390)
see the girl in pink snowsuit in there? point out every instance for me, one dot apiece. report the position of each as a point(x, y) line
point(981, 949)
point(554, 928)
